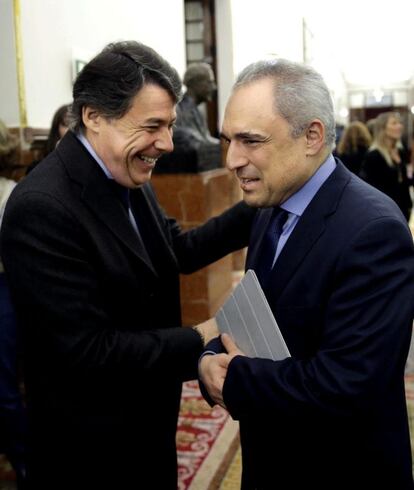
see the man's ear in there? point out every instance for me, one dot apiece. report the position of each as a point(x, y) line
point(91, 119)
point(315, 137)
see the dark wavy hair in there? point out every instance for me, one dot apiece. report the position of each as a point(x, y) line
point(110, 81)
point(61, 116)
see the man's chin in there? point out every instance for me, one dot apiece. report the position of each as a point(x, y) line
point(252, 200)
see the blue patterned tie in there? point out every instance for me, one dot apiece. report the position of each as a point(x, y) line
point(269, 244)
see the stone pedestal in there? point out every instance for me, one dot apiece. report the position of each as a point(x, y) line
point(192, 199)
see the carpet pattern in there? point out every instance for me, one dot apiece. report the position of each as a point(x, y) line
point(207, 439)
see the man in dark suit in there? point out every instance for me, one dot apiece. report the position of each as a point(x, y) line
point(93, 265)
point(340, 284)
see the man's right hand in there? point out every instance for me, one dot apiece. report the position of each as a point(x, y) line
point(212, 370)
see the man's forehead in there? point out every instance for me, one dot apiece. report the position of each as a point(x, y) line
point(243, 113)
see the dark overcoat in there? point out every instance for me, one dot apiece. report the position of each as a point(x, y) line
point(105, 354)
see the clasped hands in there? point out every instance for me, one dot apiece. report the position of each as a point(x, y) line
point(213, 368)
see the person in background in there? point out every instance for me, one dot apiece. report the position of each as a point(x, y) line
point(353, 145)
point(58, 129)
point(370, 124)
point(93, 265)
point(195, 149)
point(340, 284)
point(201, 84)
point(385, 165)
point(12, 411)
point(60, 124)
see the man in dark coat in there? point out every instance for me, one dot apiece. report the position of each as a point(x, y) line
point(340, 284)
point(93, 265)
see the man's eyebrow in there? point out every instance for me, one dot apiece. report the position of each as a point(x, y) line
point(157, 120)
point(243, 135)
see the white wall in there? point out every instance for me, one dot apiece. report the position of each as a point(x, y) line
point(264, 29)
point(56, 31)
point(245, 34)
point(275, 29)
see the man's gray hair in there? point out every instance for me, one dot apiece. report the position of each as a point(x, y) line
point(300, 94)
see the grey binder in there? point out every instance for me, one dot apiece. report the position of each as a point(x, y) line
point(247, 318)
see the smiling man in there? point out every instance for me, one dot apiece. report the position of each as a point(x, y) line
point(340, 283)
point(93, 265)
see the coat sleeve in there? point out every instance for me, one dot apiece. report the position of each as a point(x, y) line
point(218, 237)
point(203, 245)
point(58, 291)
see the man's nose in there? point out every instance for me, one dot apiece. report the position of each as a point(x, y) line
point(164, 142)
point(235, 158)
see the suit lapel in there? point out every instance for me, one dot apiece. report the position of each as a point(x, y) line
point(258, 230)
point(109, 209)
point(98, 195)
point(145, 207)
point(309, 228)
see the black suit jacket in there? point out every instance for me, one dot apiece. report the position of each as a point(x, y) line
point(342, 291)
point(104, 351)
point(391, 180)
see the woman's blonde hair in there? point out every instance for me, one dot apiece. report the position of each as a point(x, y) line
point(379, 142)
point(355, 135)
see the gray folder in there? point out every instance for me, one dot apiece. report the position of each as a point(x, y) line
point(246, 316)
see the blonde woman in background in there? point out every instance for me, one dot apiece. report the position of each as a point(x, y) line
point(385, 165)
point(353, 145)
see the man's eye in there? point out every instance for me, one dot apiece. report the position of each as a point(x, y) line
point(250, 142)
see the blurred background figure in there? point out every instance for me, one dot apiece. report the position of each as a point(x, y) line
point(9, 154)
point(60, 124)
point(370, 124)
point(58, 129)
point(12, 415)
point(201, 84)
point(353, 145)
point(195, 149)
point(385, 164)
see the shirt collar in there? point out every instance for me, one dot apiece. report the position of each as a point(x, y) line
point(298, 202)
point(82, 138)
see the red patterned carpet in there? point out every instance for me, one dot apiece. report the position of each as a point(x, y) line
point(207, 440)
